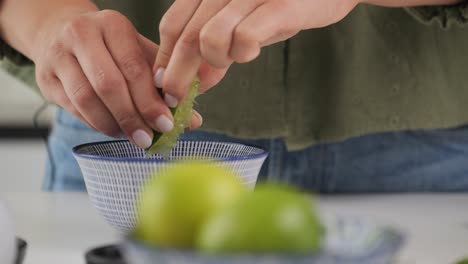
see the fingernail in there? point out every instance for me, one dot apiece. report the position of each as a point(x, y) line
point(164, 124)
point(142, 139)
point(158, 77)
point(198, 116)
point(171, 101)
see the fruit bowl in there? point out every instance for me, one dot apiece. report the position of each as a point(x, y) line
point(347, 240)
point(115, 171)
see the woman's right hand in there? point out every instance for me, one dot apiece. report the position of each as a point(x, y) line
point(98, 67)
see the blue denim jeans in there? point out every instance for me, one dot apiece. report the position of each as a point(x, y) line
point(406, 161)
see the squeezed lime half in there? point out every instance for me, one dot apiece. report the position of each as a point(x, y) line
point(163, 143)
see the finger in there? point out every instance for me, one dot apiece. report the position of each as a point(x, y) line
point(216, 35)
point(186, 57)
point(170, 28)
point(109, 84)
point(83, 98)
point(278, 38)
point(48, 83)
point(196, 122)
point(52, 88)
point(68, 106)
point(55, 93)
point(129, 57)
point(150, 49)
point(210, 76)
point(266, 23)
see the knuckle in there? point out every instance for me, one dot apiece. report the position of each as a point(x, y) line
point(133, 68)
point(105, 84)
point(77, 28)
point(44, 77)
point(149, 111)
point(214, 49)
point(108, 14)
point(78, 86)
point(244, 34)
point(56, 50)
point(127, 120)
point(115, 21)
point(210, 40)
point(163, 56)
point(190, 41)
point(82, 97)
point(167, 28)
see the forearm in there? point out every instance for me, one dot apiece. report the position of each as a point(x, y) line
point(22, 21)
point(408, 3)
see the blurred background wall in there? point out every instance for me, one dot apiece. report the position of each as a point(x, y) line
point(22, 147)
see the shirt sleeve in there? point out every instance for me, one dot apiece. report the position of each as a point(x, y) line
point(444, 16)
point(17, 65)
point(24, 73)
point(7, 52)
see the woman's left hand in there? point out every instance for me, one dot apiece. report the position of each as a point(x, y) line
point(205, 37)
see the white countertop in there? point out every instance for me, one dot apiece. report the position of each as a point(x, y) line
point(60, 227)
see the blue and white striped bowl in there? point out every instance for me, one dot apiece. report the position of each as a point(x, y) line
point(114, 171)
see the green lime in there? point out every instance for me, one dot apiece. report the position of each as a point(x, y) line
point(176, 202)
point(272, 219)
point(164, 143)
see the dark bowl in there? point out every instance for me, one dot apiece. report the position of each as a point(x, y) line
point(21, 250)
point(109, 254)
point(347, 241)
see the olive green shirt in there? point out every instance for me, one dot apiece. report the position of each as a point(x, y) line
point(379, 69)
